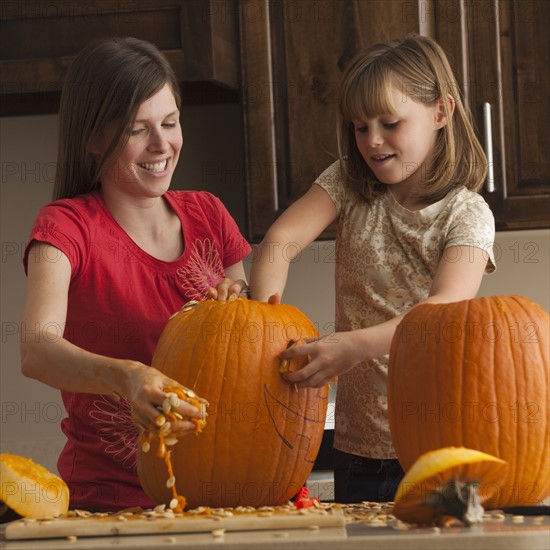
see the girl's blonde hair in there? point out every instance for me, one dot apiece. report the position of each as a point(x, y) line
point(104, 87)
point(420, 69)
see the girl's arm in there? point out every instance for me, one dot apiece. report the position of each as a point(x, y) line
point(297, 227)
point(53, 360)
point(458, 277)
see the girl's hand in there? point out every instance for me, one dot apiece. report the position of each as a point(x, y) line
point(331, 356)
point(144, 390)
point(228, 288)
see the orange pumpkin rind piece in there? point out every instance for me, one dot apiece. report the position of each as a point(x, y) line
point(448, 482)
point(30, 489)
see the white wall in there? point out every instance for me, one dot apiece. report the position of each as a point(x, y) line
point(211, 159)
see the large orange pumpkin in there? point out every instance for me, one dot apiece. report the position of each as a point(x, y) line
point(262, 434)
point(475, 374)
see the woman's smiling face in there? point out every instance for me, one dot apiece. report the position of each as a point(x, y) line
point(398, 147)
point(147, 162)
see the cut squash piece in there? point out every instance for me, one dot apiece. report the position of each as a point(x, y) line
point(31, 490)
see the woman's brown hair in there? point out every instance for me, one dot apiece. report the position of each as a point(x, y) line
point(419, 68)
point(104, 87)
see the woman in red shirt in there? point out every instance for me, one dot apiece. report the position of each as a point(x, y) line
point(112, 258)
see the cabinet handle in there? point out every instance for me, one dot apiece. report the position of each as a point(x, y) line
point(488, 126)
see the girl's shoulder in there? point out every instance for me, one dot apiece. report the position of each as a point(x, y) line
point(332, 181)
point(462, 199)
point(331, 175)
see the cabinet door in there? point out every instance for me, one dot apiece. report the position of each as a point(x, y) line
point(39, 39)
point(293, 54)
point(501, 51)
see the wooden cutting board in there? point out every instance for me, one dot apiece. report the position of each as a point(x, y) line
point(132, 523)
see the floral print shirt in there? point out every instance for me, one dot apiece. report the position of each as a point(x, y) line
point(386, 258)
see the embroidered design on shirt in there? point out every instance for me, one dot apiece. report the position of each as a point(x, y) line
point(203, 270)
point(116, 430)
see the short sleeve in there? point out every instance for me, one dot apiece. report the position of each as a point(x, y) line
point(473, 225)
point(235, 246)
point(332, 182)
point(60, 225)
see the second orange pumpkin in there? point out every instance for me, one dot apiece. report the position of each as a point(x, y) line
point(475, 374)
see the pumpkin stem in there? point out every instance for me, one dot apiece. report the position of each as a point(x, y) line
point(458, 499)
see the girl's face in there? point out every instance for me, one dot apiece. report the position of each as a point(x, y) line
point(398, 147)
point(146, 164)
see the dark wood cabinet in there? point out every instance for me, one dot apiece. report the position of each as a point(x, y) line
point(39, 39)
point(283, 59)
point(293, 54)
point(500, 50)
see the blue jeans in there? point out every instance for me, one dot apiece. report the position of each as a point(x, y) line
point(372, 479)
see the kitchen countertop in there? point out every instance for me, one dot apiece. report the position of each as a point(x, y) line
point(527, 533)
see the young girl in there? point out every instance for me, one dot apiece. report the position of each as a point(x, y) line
point(411, 229)
point(112, 259)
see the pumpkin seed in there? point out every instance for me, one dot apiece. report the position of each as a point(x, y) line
point(173, 399)
point(166, 406)
point(160, 420)
point(518, 519)
point(165, 428)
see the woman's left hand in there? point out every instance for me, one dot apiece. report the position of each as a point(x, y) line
point(228, 288)
point(331, 356)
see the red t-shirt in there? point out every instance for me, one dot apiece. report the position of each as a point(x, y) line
point(120, 299)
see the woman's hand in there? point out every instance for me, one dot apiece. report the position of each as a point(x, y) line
point(331, 356)
point(228, 288)
point(145, 391)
